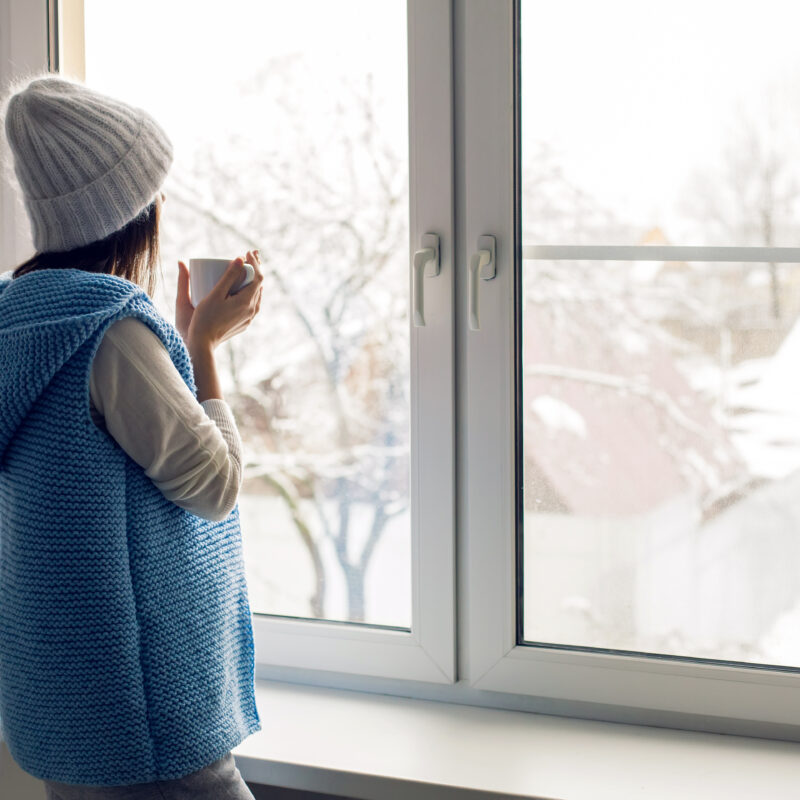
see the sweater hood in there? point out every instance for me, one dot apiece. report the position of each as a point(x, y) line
point(45, 317)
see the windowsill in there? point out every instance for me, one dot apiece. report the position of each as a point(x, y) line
point(368, 746)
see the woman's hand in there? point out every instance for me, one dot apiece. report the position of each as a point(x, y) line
point(220, 315)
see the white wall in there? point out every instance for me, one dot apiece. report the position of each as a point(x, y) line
point(23, 49)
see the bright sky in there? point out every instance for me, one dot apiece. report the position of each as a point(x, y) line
point(180, 58)
point(636, 94)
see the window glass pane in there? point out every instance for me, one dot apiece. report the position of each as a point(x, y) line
point(660, 412)
point(289, 122)
point(667, 123)
point(661, 417)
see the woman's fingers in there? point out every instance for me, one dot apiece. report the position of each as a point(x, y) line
point(183, 283)
point(245, 294)
point(234, 274)
point(254, 259)
point(184, 310)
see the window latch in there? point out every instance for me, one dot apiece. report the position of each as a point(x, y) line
point(482, 263)
point(426, 261)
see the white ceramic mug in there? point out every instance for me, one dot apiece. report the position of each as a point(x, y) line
point(204, 273)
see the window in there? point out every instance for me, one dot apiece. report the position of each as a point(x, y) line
point(633, 504)
point(297, 144)
point(658, 399)
point(598, 363)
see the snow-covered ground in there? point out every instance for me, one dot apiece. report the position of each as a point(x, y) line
point(280, 575)
point(666, 582)
point(767, 393)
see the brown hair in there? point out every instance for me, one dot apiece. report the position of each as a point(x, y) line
point(131, 252)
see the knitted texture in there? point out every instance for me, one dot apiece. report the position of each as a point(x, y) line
point(87, 164)
point(126, 643)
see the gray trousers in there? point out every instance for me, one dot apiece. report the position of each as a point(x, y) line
point(218, 781)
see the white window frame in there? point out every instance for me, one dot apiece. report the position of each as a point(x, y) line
point(730, 697)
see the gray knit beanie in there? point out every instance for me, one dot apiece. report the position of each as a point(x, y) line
point(87, 164)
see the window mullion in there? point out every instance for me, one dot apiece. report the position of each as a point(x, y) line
point(774, 255)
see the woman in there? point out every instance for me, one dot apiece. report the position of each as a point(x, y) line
point(126, 645)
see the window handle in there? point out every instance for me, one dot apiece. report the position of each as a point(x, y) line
point(482, 263)
point(426, 261)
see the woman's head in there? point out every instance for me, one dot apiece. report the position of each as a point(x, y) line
point(91, 169)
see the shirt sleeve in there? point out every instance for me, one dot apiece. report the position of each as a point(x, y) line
point(191, 451)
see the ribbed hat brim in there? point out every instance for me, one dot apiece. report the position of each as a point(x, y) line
point(108, 203)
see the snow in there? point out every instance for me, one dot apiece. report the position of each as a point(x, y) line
point(781, 643)
point(768, 433)
point(779, 387)
point(558, 416)
point(633, 342)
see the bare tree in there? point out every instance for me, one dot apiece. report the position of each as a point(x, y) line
point(326, 415)
point(751, 197)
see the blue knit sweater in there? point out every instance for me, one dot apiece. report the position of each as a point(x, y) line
point(126, 643)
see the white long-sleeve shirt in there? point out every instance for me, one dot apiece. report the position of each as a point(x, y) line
point(191, 451)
